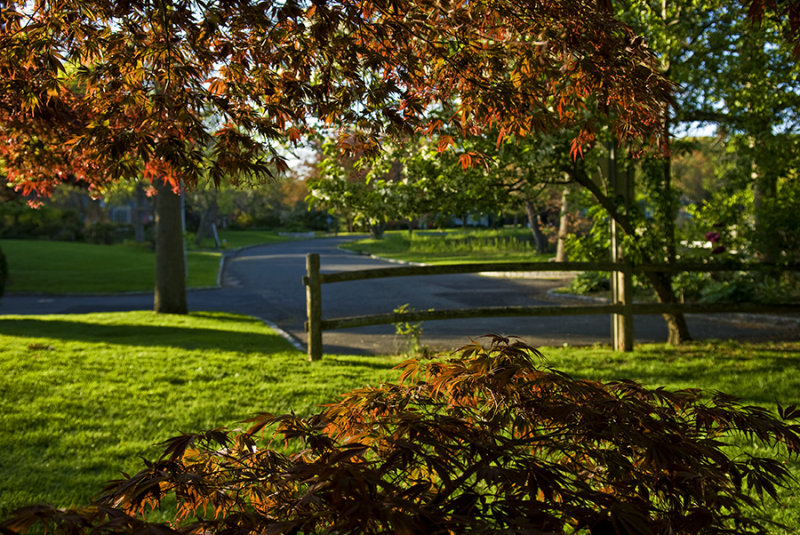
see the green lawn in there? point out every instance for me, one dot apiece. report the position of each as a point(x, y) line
point(73, 267)
point(83, 397)
point(453, 246)
point(234, 239)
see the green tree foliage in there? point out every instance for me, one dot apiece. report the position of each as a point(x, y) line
point(408, 179)
point(344, 186)
point(489, 440)
point(743, 78)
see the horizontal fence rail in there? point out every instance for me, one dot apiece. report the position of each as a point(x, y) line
point(453, 269)
point(623, 306)
point(463, 313)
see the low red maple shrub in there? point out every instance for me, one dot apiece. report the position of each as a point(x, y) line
point(487, 441)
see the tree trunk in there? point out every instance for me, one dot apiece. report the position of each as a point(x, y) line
point(563, 227)
point(678, 331)
point(208, 221)
point(765, 189)
point(376, 230)
point(139, 213)
point(668, 213)
point(170, 288)
point(533, 221)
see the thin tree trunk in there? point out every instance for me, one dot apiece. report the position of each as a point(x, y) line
point(533, 221)
point(170, 287)
point(208, 221)
point(677, 329)
point(139, 213)
point(668, 216)
point(563, 227)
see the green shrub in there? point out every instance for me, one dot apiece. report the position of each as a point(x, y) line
point(590, 282)
point(100, 233)
point(3, 272)
point(21, 222)
point(487, 441)
point(736, 287)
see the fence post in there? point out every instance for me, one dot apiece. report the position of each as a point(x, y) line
point(621, 279)
point(622, 294)
point(313, 307)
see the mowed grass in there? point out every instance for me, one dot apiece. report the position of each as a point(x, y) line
point(52, 267)
point(235, 239)
point(453, 246)
point(85, 397)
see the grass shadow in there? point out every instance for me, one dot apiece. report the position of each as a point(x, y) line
point(190, 337)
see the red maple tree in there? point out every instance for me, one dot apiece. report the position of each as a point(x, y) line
point(170, 91)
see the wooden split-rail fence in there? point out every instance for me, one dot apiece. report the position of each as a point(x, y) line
point(621, 308)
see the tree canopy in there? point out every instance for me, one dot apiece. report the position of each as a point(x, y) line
point(102, 91)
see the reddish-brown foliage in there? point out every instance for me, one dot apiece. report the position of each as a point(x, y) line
point(100, 90)
point(487, 441)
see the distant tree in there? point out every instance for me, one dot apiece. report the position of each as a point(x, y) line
point(743, 78)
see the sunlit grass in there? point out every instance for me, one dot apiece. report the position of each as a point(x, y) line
point(74, 267)
point(453, 246)
point(235, 239)
point(84, 397)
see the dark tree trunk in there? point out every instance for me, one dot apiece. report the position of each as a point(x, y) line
point(765, 189)
point(376, 231)
point(678, 330)
point(208, 222)
point(170, 288)
point(536, 230)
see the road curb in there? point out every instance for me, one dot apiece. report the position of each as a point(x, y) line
point(296, 343)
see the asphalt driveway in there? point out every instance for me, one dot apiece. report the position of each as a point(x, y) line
point(266, 282)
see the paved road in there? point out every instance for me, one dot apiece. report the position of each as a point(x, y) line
point(265, 282)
